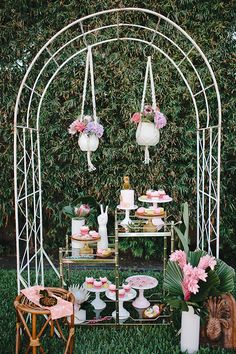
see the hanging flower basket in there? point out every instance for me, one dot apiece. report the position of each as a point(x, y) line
point(89, 134)
point(88, 128)
point(149, 119)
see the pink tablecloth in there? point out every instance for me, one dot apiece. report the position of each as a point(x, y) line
point(63, 308)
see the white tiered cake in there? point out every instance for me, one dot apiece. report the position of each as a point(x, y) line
point(127, 198)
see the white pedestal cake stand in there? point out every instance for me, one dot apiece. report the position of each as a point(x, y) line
point(127, 219)
point(141, 302)
point(97, 303)
point(123, 313)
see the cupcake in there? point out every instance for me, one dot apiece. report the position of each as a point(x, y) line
point(166, 196)
point(149, 193)
point(89, 282)
point(161, 193)
point(104, 282)
point(112, 288)
point(84, 230)
point(94, 234)
point(97, 284)
point(155, 194)
point(121, 293)
point(158, 211)
point(141, 211)
point(126, 287)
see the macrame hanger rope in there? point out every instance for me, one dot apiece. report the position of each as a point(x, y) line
point(89, 66)
point(148, 72)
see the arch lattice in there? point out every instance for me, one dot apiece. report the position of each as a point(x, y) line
point(161, 35)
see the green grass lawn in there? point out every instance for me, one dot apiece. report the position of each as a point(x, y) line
point(90, 340)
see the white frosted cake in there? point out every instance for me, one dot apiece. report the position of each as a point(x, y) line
point(126, 198)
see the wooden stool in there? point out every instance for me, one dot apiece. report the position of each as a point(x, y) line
point(24, 307)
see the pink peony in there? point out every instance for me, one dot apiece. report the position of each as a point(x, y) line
point(136, 117)
point(207, 261)
point(76, 127)
point(179, 257)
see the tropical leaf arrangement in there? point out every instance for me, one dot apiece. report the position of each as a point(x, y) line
point(194, 276)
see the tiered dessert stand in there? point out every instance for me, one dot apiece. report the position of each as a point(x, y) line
point(155, 220)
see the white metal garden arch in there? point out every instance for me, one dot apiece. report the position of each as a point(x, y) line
point(95, 30)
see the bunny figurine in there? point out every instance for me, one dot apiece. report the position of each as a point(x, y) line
point(102, 230)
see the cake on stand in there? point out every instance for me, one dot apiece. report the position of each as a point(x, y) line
point(141, 283)
point(97, 303)
point(150, 226)
point(123, 313)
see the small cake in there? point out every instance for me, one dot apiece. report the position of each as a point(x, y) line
point(158, 211)
point(152, 312)
point(126, 287)
point(97, 284)
point(89, 282)
point(141, 211)
point(155, 194)
point(166, 197)
point(84, 230)
point(112, 288)
point(127, 198)
point(94, 234)
point(149, 193)
point(104, 282)
point(121, 293)
point(106, 252)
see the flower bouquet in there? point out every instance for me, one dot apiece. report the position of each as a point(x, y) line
point(192, 277)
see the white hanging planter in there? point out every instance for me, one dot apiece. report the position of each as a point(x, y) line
point(190, 331)
point(88, 142)
point(147, 134)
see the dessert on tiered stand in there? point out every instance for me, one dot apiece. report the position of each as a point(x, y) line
point(126, 201)
point(155, 197)
point(87, 237)
point(97, 286)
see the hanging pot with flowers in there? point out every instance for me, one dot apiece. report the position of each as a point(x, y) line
point(149, 120)
point(87, 126)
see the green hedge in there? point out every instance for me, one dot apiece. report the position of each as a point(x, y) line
point(119, 71)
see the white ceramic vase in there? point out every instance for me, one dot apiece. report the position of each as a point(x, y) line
point(88, 142)
point(190, 331)
point(147, 134)
point(76, 225)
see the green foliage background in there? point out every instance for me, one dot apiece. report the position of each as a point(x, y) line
point(119, 71)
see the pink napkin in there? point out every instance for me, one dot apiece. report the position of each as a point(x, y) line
point(63, 308)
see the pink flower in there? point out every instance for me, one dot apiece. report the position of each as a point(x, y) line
point(207, 261)
point(200, 274)
point(160, 120)
point(76, 127)
point(187, 293)
point(147, 110)
point(136, 117)
point(179, 257)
